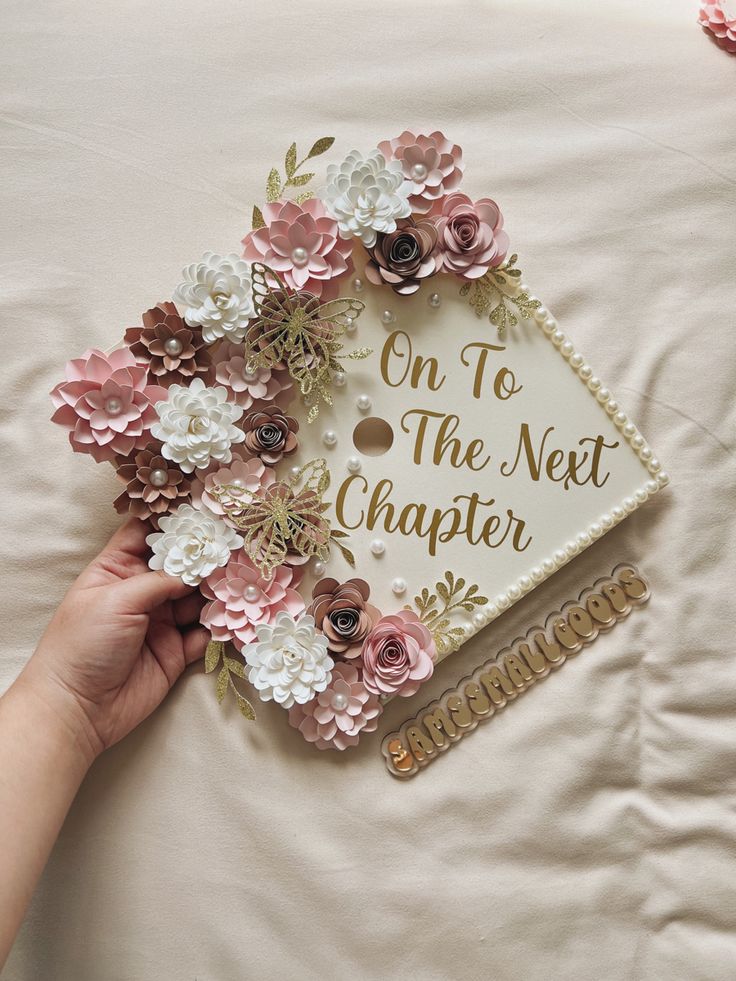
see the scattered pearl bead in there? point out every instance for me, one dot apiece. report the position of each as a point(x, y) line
point(113, 406)
point(319, 568)
point(364, 402)
point(354, 465)
point(294, 471)
point(339, 378)
point(350, 324)
point(434, 300)
point(388, 317)
point(339, 701)
point(358, 284)
point(378, 546)
point(173, 346)
point(398, 586)
point(252, 593)
point(159, 478)
point(300, 256)
point(329, 437)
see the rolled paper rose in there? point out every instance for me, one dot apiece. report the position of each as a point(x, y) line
point(270, 434)
point(402, 259)
point(471, 236)
point(343, 614)
point(398, 655)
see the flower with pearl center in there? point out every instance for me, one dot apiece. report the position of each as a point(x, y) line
point(153, 485)
point(252, 387)
point(337, 716)
point(230, 490)
point(216, 295)
point(431, 165)
point(173, 351)
point(289, 662)
point(191, 544)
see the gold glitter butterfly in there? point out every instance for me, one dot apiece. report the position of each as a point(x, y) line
point(293, 329)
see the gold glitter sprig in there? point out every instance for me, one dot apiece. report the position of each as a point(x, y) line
point(275, 187)
point(215, 655)
point(490, 296)
point(434, 610)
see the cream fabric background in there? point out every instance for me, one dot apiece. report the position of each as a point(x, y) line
point(589, 832)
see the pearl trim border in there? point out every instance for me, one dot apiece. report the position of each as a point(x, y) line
point(658, 478)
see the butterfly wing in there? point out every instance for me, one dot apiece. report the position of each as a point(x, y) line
point(267, 336)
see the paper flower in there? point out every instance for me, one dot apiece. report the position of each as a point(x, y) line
point(431, 165)
point(343, 614)
point(217, 296)
point(191, 544)
point(398, 655)
point(195, 425)
point(153, 485)
point(714, 18)
point(243, 479)
point(366, 195)
point(471, 236)
point(403, 258)
point(106, 403)
point(250, 389)
point(173, 351)
point(270, 434)
point(301, 244)
point(337, 716)
point(241, 598)
point(288, 661)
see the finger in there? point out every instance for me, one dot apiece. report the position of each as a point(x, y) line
point(195, 644)
point(130, 538)
point(147, 590)
point(187, 610)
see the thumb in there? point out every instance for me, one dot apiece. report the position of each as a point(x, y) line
point(144, 592)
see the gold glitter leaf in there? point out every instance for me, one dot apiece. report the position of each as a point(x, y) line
point(290, 160)
point(320, 147)
point(299, 180)
point(215, 651)
point(493, 296)
point(273, 186)
point(223, 680)
point(246, 709)
point(435, 609)
point(235, 667)
point(257, 221)
point(304, 196)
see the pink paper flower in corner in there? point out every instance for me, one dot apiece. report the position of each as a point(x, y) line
point(251, 389)
point(471, 236)
point(243, 479)
point(301, 243)
point(715, 18)
point(398, 655)
point(337, 716)
point(107, 404)
point(241, 598)
point(431, 164)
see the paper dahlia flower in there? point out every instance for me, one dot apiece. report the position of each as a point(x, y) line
point(398, 655)
point(715, 19)
point(403, 258)
point(153, 485)
point(301, 244)
point(343, 614)
point(106, 403)
point(241, 598)
point(431, 165)
point(217, 296)
point(366, 195)
point(471, 236)
point(191, 544)
point(270, 434)
point(289, 662)
point(173, 351)
point(196, 425)
point(337, 716)
point(252, 389)
point(229, 490)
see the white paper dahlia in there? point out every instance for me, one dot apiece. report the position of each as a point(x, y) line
point(366, 195)
point(192, 544)
point(289, 661)
point(196, 425)
point(217, 295)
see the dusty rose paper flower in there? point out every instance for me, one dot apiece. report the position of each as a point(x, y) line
point(337, 716)
point(251, 389)
point(431, 164)
point(106, 403)
point(471, 236)
point(715, 18)
point(398, 655)
point(270, 434)
point(301, 243)
point(402, 259)
point(246, 478)
point(173, 351)
point(153, 484)
point(241, 598)
point(343, 614)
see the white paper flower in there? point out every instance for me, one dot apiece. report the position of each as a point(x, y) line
point(196, 425)
point(289, 661)
point(192, 544)
point(365, 195)
point(217, 295)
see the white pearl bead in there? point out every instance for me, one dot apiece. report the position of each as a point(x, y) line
point(434, 300)
point(249, 376)
point(572, 548)
point(595, 530)
point(378, 546)
point(629, 430)
point(525, 583)
point(603, 395)
point(173, 346)
point(329, 437)
point(645, 453)
point(418, 172)
point(354, 465)
point(594, 383)
point(620, 418)
point(549, 326)
point(617, 513)
point(339, 701)
point(502, 601)
point(514, 591)
point(294, 471)
point(637, 441)
point(388, 317)
point(576, 360)
point(663, 478)
point(548, 566)
point(606, 520)
point(558, 338)
point(629, 504)
point(300, 256)
point(559, 557)
point(339, 378)
point(159, 478)
point(398, 586)
point(654, 465)
point(612, 407)
point(350, 324)
point(537, 574)
point(585, 372)
point(252, 593)
point(113, 406)
point(479, 619)
point(641, 495)
point(566, 349)
point(358, 284)
point(652, 486)
point(364, 402)
point(318, 568)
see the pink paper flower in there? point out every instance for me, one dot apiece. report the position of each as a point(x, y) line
point(337, 716)
point(432, 165)
point(301, 243)
point(244, 478)
point(241, 598)
point(251, 389)
point(714, 18)
point(471, 236)
point(107, 404)
point(398, 655)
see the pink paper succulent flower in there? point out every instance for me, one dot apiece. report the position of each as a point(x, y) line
point(718, 21)
point(241, 598)
point(337, 716)
point(431, 163)
point(251, 389)
point(244, 478)
point(107, 404)
point(398, 655)
point(470, 236)
point(301, 243)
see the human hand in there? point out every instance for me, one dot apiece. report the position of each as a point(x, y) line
point(117, 643)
